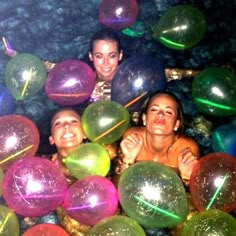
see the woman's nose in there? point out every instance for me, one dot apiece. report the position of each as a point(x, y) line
point(105, 61)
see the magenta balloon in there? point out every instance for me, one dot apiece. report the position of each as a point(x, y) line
point(34, 187)
point(70, 82)
point(118, 15)
point(19, 137)
point(91, 199)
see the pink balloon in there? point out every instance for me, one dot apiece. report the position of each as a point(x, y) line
point(118, 15)
point(70, 82)
point(34, 187)
point(91, 199)
point(19, 138)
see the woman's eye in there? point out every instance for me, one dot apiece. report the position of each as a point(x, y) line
point(98, 56)
point(58, 123)
point(114, 55)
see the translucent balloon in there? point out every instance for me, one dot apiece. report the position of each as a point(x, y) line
point(211, 222)
point(19, 138)
point(91, 199)
point(46, 230)
point(135, 79)
point(117, 225)
point(181, 27)
point(70, 82)
point(1, 178)
point(105, 122)
point(34, 187)
point(9, 224)
point(7, 101)
point(223, 139)
point(214, 91)
point(88, 159)
point(25, 75)
point(212, 183)
point(153, 195)
point(118, 15)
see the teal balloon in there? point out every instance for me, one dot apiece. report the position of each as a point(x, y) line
point(181, 27)
point(9, 224)
point(88, 159)
point(214, 91)
point(153, 195)
point(105, 122)
point(211, 222)
point(1, 178)
point(25, 75)
point(117, 225)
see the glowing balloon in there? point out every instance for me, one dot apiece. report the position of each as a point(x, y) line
point(46, 230)
point(223, 139)
point(7, 101)
point(19, 138)
point(211, 222)
point(105, 122)
point(214, 91)
point(91, 199)
point(25, 75)
point(135, 79)
point(70, 82)
point(117, 225)
point(34, 187)
point(153, 195)
point(181, 27)
point(212, 183)
point(88, 159)
point(9, 224)
point(118, 15)
point(1, 178)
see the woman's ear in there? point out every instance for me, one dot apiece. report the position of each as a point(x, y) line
point(121, 55)
point(90, 56)
point(144, 119)
point(177, 124)
point(51, 141)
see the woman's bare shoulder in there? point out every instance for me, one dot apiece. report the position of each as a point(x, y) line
point(186, 141)
point(134, 129)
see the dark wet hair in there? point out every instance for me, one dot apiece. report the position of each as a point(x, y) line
point(105, 34)
point(149, 100)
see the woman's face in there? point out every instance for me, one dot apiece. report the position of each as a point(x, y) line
point(66, 130)
point(161, 116)
point(105, 57)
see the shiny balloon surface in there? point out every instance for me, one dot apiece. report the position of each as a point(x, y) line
point(153, 195)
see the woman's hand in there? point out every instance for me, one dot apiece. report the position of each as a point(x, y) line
point(131, 146)
point(186, 162)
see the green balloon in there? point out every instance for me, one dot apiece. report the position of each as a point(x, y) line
point(153, 195)
point(88, 159)
point(25, 75)
point(214, 91)
point(117, 225)
point(181, 27)
point(212, 222)
point(9, 224)
point(105, 122)
point(1, 178)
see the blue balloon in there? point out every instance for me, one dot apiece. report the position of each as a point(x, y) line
point(135, 79)
point(7, 101)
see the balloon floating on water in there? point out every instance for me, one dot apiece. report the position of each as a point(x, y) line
point(25, 75)
point(181, 27)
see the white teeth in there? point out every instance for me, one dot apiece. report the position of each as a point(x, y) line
point(68, 135)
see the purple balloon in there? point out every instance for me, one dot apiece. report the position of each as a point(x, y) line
point(70, 82)
point(91, 199)
point(118, 15)
point(34, 187)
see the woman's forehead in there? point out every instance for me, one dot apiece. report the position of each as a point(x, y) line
point(65, 114)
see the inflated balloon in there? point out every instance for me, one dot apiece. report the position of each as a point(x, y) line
point(7, 101)
point(34, 187)
point(212, 182)
point(153, 195)
point(214, 91)
point(25, 75)
point(46, 230)
point(105, 122)
point(117, 225)
point(118, 15)
point(1, 178)
point(88, 159)
point(211, 222)
point(135, 79)
point(223, 139)
point(70, 82)
point(91, 199)
point(19, 137)
point(9, 224)
point(181, 27)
